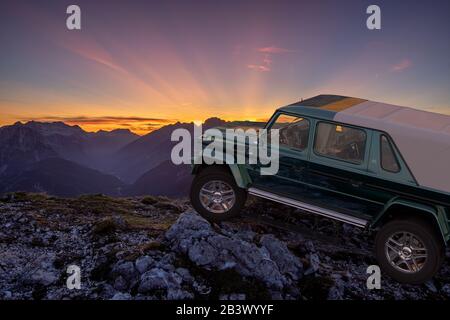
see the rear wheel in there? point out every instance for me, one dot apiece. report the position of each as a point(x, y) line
point(409, 251)
point(215, 195)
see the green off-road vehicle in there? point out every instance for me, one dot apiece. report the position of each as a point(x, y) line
point(373, 165)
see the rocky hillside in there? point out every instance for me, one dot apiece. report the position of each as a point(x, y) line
point(157, 248)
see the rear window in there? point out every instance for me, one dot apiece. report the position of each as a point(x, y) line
point(388, 161)
point(340, 142)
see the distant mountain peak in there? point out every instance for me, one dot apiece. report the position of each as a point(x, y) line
point(55, 127)
point(214, 122)
point(116, 132)
point(123, 131)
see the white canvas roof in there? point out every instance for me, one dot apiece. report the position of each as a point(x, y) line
point(423, 138)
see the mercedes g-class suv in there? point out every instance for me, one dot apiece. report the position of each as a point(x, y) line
point(373, 165)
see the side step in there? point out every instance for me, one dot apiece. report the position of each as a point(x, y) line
point(308, 207)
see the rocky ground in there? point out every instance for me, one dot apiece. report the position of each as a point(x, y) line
point(157, 248)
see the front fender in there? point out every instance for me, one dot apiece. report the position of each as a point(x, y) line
point(239, 172)
point(240, 175)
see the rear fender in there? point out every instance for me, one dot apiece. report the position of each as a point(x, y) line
point(437, 213)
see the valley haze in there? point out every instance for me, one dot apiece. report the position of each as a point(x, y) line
point(64, 160)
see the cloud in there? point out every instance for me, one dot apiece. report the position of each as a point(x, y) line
point(273, 50)
point(139, 125)
point(265, 64)
point(267, 61)
point(100, 120)
point(402, 65)
point(257, 67)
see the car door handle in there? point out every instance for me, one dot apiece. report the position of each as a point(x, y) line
point(355, 184)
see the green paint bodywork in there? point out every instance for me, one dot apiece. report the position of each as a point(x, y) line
point(240, 175)
point(238, 171)
point(381, 191)
point(438, 213)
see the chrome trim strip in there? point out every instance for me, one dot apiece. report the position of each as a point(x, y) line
point(308, 207)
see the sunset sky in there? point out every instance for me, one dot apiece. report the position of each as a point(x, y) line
point(143, 64)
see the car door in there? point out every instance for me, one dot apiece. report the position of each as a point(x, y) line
point(338, 166)
point(294, 137)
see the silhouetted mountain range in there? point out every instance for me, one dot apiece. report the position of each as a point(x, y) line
point(65, 160)
point(164, 179)
point(62, 178)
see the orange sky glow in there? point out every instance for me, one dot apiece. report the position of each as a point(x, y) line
point(153, 68)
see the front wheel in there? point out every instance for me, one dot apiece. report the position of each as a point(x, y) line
point(409, 250)
point(215, 195)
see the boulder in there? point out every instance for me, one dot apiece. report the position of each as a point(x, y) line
point(121, 296)
point(124, 274)
point(43, 277)
point(287, 263)
point(159, 279)
point(144, 263)
point(269, 261)
point(41, 271)
point(125, 269)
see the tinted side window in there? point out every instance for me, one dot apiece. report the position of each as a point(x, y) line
point(294, 131)
point(388, 160)
point(340, 142)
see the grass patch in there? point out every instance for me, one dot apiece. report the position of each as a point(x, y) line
point(150, 200)
point(89, 208)
point(25, 197)
point(104, 226)
point(138, 222)
point(150, 246)
point(164, 203)
point(101, 204)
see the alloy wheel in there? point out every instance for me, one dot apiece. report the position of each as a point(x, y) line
point(406, 252)
point(217, 196)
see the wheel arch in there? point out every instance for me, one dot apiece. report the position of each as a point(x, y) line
point(239, 172)
point(403, 208)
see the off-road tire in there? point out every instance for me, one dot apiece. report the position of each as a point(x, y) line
point(216, 173)
point(429, 237)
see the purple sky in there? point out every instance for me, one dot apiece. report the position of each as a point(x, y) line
point(141, 64)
